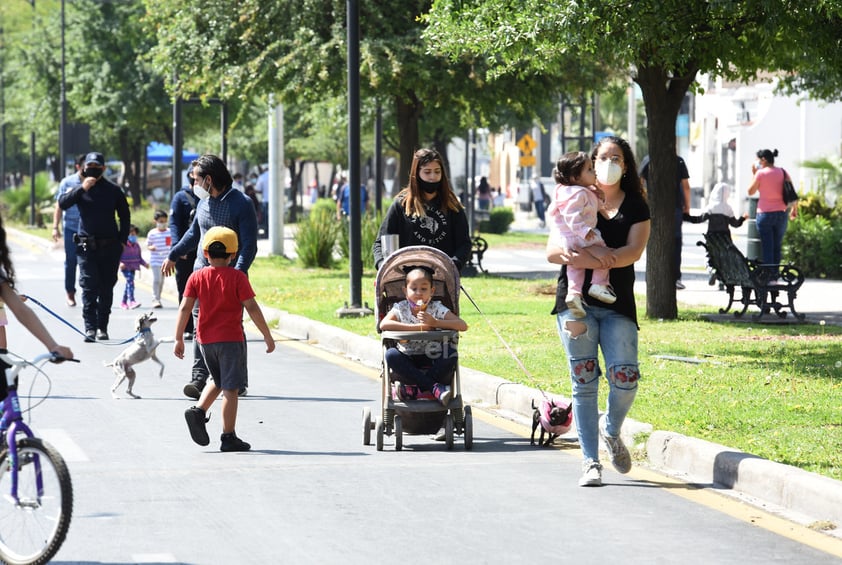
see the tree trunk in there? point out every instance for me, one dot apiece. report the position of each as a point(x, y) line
point(131, 169)
point(407, 111)
point(662, 96)
point(293, 191)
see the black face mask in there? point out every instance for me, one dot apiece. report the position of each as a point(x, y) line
point(428, 187)
point(93, 172)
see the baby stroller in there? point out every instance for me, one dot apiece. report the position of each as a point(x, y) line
point(424, 415)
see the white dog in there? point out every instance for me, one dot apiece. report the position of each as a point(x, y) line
point(140, 350)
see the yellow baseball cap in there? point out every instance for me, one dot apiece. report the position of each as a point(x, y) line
point(225, 236)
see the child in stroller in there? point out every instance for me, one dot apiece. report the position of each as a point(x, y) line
point(423, 365)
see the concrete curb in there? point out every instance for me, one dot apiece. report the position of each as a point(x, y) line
point(801, 496)
point(811, 496)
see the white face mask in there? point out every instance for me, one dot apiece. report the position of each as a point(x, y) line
point(200, 192)
point(608, 172)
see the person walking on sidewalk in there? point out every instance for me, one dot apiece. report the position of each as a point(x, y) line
point(130, 263)
point(427, 212)
point(182, 212)
point(773, 214)
point(70, 225)
point(158, 242)
point(224, 292)
point(99, 242)
point(624, 223)
point(219, 205)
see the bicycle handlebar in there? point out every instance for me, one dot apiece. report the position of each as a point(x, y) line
point(17, 363)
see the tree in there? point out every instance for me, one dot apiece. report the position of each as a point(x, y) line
point(663, 44)
point(297, 51)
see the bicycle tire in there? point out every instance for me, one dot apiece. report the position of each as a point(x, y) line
point(32, 533)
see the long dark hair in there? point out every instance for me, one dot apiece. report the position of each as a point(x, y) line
point(5, 258)
point(413, 199)
point(630, 182)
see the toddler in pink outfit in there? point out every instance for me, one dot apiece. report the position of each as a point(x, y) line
point(574, 212)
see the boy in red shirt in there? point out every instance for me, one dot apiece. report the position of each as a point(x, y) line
point(223, 292)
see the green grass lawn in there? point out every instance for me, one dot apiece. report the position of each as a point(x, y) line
point(771, 390)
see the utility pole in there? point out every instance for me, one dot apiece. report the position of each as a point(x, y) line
point(354, 220)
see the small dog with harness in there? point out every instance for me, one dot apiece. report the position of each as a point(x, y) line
point(554, 417)
point(142, 348)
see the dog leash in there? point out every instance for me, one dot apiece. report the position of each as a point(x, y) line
point(71, 326)
point(506, 345)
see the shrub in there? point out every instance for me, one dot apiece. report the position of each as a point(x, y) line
point(315, 239)
point(813, 240)
point(498, 221)
point(16, 201)
point(814, 245)
point(369, 228)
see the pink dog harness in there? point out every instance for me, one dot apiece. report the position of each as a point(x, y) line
point(544, 412)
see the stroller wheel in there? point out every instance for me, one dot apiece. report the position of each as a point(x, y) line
point(448, 430)
point(378, 430)
point(367, 426)
point(398, 433)
point(469, 429)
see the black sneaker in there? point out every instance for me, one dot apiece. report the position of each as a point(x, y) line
point(196, 421)
point(90, 336)
point(230, 442)
point(193, 389)
point(102, 335)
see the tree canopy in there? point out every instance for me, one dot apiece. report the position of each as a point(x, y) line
point(663, 45)
point(296, 50)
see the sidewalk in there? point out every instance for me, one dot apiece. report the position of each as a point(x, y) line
point(800, 496)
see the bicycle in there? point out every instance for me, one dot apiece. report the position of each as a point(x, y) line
point(37, 495)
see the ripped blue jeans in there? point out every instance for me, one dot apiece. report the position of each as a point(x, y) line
point(582, 338)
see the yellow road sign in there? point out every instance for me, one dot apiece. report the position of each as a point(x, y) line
point(527, 161)
point(526, 144)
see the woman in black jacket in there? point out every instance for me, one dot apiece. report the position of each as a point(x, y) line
point(427, 212)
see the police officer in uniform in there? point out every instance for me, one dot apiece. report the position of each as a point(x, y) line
point(99, 241)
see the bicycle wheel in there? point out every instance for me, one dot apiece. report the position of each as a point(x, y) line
point(32, 531)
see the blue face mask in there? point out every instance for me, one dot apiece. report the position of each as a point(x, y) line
point(132, 239)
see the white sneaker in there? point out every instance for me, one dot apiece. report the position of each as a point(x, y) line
point(620, 458)
point(603, 293)
point(591, 474)
point(574, 303)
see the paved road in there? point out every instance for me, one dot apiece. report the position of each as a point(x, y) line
point(310, 492)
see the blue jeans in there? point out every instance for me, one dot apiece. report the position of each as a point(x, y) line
point(771, 227)
point(70, 262)
point(421, 370)
point(616, 335)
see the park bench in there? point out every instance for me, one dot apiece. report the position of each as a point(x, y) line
point(478, 243)
point(760, 284)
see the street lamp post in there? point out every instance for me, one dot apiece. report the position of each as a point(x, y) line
point(62, 128)
point(32, 153)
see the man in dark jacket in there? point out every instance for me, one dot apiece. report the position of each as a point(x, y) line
point(219, 205)
point(182, 210)
point(99, 241)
